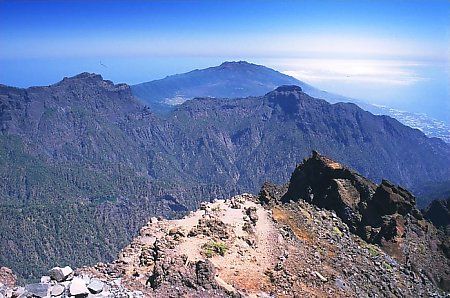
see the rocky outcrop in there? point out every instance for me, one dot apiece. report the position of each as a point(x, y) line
point(328, 184)
point(7, 277)
point(270, 193)
point(383, 214)
point(61, 274)
point(372, 211)
point(438, 213)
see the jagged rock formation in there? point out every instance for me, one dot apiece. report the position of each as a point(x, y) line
point(382, 214)
point(84, 156)
point(296, 240)
point(370, 210)
point(438, 213)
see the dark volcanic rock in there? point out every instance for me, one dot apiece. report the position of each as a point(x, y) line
point(211, 227)
point(251, 213)
point(385, 214)
point(438, 213)
point(289, 88)
point(392, 199)
point(330, 185)
point(270, 193)
point(38, 290)
point(205, 272)
point(374, 212)
point(175, 277)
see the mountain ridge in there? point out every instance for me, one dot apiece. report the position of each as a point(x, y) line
point(234, 79)
point(105, 157)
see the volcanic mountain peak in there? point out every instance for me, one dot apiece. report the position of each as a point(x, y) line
point(238, 64)
point(288, 88)
point(92, 79)
point(235, 79)
point(83, 77)
point(241, 79)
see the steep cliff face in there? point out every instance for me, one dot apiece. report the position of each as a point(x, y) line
point(368, 209)
point(84, 153)
point(382, 214)
point(261, 136)
point(438, 213)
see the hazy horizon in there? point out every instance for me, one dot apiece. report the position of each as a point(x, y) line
point(392, 53)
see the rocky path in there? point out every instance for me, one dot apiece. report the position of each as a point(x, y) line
point(240, 248)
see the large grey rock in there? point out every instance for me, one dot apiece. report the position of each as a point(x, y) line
point(57, 290)
point(61, 274)
point(78, 287)
point(37, 290)
point(95, 286)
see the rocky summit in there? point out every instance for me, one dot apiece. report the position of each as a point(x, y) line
point(328, 232)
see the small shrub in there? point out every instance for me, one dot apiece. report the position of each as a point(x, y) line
point(422, 249)
point(387, 266)
point(337, 232)
point(214, 247)
point(216, 208)
point(373, 250)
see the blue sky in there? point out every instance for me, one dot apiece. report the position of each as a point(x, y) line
point(387, 52)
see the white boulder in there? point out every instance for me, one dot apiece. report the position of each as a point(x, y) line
point(78, 287)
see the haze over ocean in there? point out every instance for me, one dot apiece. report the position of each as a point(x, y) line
point(394, 53)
